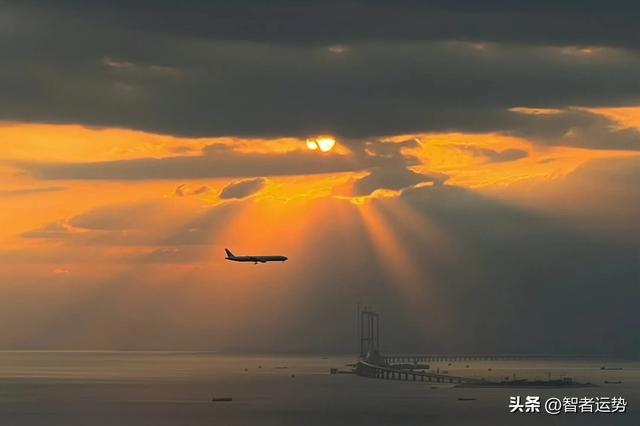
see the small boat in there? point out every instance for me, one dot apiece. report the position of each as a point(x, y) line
point(467, 399)
point(223, 399)
point(610, 368)
point(617, 382)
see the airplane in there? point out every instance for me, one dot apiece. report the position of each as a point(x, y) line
point(254, 259)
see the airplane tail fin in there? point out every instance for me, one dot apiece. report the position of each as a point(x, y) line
point(229, 254)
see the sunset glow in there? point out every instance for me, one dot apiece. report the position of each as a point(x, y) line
point(460, 168)
point(323, 143)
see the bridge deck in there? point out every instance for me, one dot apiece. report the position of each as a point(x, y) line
point(367, 369)
point(446, 358)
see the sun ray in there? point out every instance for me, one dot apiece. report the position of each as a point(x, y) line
point(394, 257)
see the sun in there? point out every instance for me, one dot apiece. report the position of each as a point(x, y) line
point(323, 143)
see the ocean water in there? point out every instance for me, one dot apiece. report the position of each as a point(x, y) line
point(176, 388)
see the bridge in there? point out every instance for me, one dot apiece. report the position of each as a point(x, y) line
point(376, 371)
point(373, 364)
point(416, 359)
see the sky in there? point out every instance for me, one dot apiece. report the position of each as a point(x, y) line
point(469, 171)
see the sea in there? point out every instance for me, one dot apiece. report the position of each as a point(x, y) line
point(71, 388)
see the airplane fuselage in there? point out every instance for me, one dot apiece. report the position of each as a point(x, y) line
point(256, 259)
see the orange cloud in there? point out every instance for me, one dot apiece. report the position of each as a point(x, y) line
point(535, 111)
point(76, 143)
point(470, 159)
point(624, 117)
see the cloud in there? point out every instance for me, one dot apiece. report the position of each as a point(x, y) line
point(102, 223)
point(119, 225)
point(30, 191)
point(172, 255)
point(51, 231)
point(495, 267)
point(576, 127)
point(615, 173)
point(213, 163)
point(223, 161)
point(391, 170)
point(535, 111)
point(242, 189)
point(482, 265)
point(284, 23)
point(600, 193)
point(110, 218)
point(490, 275)
point(275, 76)
point(393, 178)
point(185, 190)
point(495, 156)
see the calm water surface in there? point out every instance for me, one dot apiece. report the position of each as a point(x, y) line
point(175, 388)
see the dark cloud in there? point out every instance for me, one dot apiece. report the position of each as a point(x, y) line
point(575, 127)
point(321, 22)
point(242, 189)
point(205, 70)
point(494, 156)
point(393, 173)
point(218, 160)
point(394, 178)
point(212, 164)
